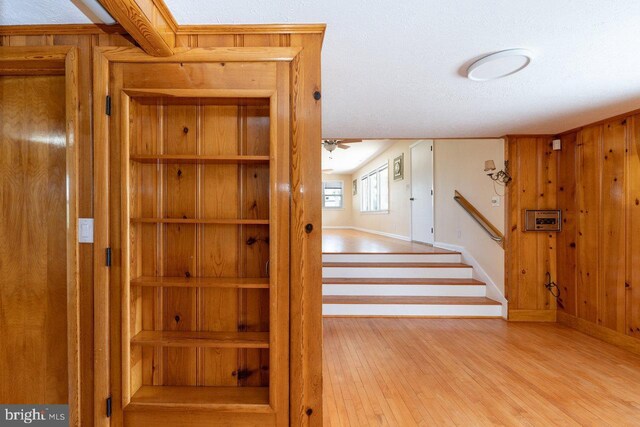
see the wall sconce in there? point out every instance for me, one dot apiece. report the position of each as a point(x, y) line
point(501, 176)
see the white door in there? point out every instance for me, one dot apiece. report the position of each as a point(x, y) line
point(422, 192)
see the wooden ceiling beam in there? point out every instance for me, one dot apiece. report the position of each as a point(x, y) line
point(149, 22)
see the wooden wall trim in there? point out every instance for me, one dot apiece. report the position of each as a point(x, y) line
point(253, 29)
point(101, 349)
point(162, 8)
point(72, 29)
point(25, 60)
point(306, 266)
point(600, 332)
point(204, 54)
point(152, 33)
point(72, 80)
point(78, 29)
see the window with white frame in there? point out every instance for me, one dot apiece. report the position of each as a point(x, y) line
point(374, 190)
point(332, 194)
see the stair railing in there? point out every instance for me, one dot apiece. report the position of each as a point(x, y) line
point(491, 229)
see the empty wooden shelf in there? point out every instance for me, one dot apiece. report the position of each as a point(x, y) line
point(220, 398)
point(202, 282)
point(194, 158)
point(202, 339)
point(221, 221)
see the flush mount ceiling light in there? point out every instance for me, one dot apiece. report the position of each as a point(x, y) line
point(499, 64)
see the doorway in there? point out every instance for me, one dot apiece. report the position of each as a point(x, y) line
point(38, 249)
point(422, 192)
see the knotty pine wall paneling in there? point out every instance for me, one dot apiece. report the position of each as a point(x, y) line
point(611, 291)
point(597, 258)
point(588, 156)
point(598, 261)
point(529, 255)
point(567, 252)
point(632, 238)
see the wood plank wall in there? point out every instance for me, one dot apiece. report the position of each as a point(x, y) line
point(529, 256)
point(598, 253)
point(595, 181)
point(306, 381)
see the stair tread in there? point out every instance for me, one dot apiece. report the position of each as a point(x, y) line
point(398, 264)
point(399, 281)
point(435, 252)
point(407, 300)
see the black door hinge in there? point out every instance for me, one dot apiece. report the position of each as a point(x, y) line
point(109, 407)
point(107, 105)
point(107, 257)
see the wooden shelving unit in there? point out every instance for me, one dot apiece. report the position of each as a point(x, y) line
point(198, 245)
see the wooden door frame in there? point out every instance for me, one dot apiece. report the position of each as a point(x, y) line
point(60, 60)
point(284, 57)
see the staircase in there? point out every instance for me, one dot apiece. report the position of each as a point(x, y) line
point(403, 284)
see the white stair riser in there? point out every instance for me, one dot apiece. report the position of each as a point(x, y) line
point(391, 258)
point(405, 290)
point(411, 310)
point(405, 273)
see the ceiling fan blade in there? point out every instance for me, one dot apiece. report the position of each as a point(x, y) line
point(349, 141)
point(343, 146)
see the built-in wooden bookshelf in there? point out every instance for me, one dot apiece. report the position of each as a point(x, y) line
point(199, 181)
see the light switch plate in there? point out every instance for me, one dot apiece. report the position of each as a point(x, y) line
point(85, 230)
point(495, 201)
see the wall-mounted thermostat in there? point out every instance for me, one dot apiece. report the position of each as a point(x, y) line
point(542, 220)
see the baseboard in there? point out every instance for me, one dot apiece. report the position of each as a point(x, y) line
point(605, 334)
point(493, 291)
point(366, 230)
point(532, 315)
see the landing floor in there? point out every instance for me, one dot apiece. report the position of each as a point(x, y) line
point(353, 241)
point(441, 372)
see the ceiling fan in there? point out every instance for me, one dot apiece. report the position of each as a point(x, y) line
point(331, 144)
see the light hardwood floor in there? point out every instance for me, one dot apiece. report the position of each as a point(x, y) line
point(440, 372)
point(354, 241)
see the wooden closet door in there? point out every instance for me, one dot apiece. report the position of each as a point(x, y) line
point(33, 247)
point(199, 220)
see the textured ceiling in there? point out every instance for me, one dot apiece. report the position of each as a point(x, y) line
point(393, 69)
point(27, 12)
point(351, 159)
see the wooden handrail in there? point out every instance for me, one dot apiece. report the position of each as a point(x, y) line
point(491, 229)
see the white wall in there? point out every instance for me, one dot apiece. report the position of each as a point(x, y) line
point(397, 220)
point(338, 217)
point(459, 165)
